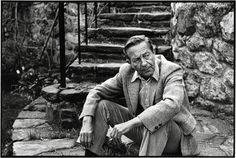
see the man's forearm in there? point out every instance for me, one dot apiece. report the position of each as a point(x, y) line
point(87, 119)
point(135, 122)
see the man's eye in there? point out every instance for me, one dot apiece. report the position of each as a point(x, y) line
point(136, 60)
point(146, 55)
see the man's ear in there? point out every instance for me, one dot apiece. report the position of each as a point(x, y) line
point(127, 60)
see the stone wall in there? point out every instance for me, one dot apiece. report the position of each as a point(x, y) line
point(203, 44)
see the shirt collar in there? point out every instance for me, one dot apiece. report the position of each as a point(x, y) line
point(155, 74)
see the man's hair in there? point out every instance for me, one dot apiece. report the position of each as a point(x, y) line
point(135, 40)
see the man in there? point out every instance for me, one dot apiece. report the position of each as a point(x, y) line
point(157, 116)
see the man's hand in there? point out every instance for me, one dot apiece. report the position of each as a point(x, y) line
point(86, 135)
point(120, 129)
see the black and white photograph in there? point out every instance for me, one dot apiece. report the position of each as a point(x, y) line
point(117, 78)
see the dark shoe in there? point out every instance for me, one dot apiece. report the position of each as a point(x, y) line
point(89, 153)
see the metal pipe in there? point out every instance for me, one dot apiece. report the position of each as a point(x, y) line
point(79, 53)
point(62, 44)
point(95, 13)
point(86, 23)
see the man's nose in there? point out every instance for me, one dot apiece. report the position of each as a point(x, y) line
point(144, 62)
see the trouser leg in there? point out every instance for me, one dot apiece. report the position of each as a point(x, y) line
point(165, 140)
point(110, 113)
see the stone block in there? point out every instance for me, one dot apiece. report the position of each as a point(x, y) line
point(229, 77)
point(31, 115)
point(207, 63)
point(227, 27)
point(38, 104)
point(185, 22)
point(36, 147)
point(214, 89)
point(196, 42)
point(192, 87)
point(27, 123)
point(225, 49)
point(75, 151)
point(185, 56)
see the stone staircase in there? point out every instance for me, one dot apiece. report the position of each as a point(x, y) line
point(103, 55)
point(33, 135)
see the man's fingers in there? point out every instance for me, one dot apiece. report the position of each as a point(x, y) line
point(89, 139)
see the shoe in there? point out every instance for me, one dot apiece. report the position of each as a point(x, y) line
point(89, 153)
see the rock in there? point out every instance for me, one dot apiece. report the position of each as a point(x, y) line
point(225, 49)
point(186, 57)
point(30, 133)
point(31, 115)
point(27, 123)
point(192, 87)
point(196, 42)
point(126, 32)
point(205, 104)
point(206, 63)
point(75, 151)
point(228, 77)
point(38, 104)
point(136, 16)
point(227, 147)
point(185, 22)
point(214, 89)
point(33, 148)
point(227, 27)
point(199, 112)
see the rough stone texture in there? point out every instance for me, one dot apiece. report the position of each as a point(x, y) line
point(31, 115)
point(38, 104)
point(229, 77)
point(196, 42)
point(192, 87)
point(227, 27)
point(126, 31)
point(75, 151)
point(136, 16)
point(185, 24)
point(33, 148)
point(186, 57)
point(27, 123)
point(206, 63)
point(214, 89)
point(225, 49)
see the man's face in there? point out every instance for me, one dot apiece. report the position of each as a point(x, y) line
point(142, 59)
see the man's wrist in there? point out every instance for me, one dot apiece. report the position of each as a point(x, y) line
point(87, 119)
point(135, 122)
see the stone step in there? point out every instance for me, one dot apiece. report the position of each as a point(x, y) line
point(143, 24)
point(36, 147)
point(126, 32)
point(132, 4)
point(145, 9)
point(92, 71)
point(157, 16)
point(113, 49)
point(164, 40)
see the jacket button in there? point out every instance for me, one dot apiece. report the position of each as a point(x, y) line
point(156, 127)
point(160, 125)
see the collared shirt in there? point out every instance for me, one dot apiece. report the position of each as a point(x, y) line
point(144, 89)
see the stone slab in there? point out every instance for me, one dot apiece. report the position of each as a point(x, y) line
point(140, 16)
point(38, 104)
point(126, 31)
point(27, 123)
point(31, 133)
point(75, 151)
point(34, 148)
point(31, 115)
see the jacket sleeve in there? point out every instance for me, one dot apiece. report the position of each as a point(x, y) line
point(109, 89)
point(157, 115)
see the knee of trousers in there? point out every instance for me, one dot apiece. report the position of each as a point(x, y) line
point(102, 104)
point(102, 108)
